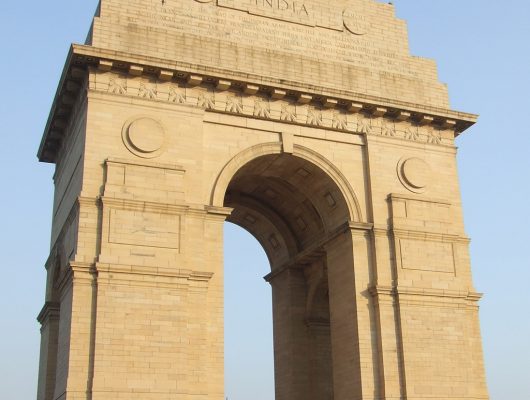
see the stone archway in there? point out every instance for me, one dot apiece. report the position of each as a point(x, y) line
point(177, 115)
point(295, 210)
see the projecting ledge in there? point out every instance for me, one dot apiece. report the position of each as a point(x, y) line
point(81, 58)
point(409, 292)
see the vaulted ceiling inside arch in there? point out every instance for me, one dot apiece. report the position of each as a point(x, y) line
point(287, 203)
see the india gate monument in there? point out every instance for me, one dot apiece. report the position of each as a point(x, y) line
point(309, 124)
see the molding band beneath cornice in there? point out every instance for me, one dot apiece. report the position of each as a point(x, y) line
point(82, 57)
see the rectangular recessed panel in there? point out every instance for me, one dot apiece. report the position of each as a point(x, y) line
point(426, 255)
point(140, 228)
point(428, 211)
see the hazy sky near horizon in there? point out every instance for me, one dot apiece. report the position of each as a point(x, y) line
point(483, 53)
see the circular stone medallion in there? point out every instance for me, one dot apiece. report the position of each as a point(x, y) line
point(355, 22)
point(414, 174)
point(144, 137)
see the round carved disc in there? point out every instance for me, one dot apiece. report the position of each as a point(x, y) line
point(144, 137)
point(416, 172)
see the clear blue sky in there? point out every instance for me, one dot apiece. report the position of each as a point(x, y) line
point(483, 52)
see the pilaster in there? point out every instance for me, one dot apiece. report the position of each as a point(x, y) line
point(49, 320)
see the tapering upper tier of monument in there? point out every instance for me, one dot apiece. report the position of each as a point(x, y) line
point(352, 46)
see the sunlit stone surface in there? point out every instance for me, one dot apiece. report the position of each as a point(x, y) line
point(309, 124)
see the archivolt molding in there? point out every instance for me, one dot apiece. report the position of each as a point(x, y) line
point(238, 161)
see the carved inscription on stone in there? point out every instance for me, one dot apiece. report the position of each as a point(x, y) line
point(298, 11)
point(355, 22)
point(138, 228)
point(320, 31)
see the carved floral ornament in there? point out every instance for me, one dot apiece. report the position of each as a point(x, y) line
point(304, 110)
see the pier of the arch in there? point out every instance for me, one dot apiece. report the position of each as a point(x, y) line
point(310, 125)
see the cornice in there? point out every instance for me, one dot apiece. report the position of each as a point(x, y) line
point(82, 57)
point(50, 310)
point(60, 112)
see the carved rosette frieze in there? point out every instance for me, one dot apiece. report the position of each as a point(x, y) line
point(343, 111)
point(339, 121)
point(234, 104)
point(288, 113)
point(117, 85)
point(147, 91)
point(261, 108)
point(176, 95)
point(206, 100)
point(314, 117)
point(265, 104)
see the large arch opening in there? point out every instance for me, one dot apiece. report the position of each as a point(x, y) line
point(297, 212)
point(249, 357)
